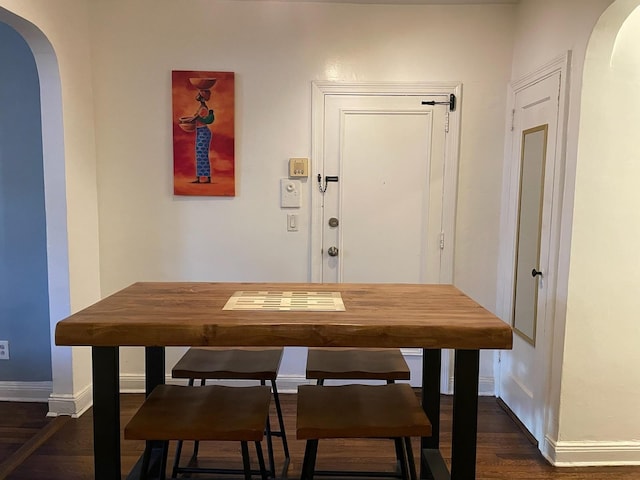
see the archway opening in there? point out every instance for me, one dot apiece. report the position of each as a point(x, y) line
point(601, 322)
point(50, 195)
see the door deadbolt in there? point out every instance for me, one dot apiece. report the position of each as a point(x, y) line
point(333, 222)
point(333, 251)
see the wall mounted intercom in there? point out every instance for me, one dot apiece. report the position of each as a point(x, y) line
point(298, 167)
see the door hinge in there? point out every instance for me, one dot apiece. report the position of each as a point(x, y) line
point(513, 120)
point(441, 240)
point(446, 123)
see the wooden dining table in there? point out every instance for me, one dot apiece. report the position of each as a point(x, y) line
point(158, 315)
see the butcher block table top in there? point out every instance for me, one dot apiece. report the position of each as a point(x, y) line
point(375, 315)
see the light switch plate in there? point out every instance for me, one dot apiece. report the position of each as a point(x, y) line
point(292, 222)
point(289, 193)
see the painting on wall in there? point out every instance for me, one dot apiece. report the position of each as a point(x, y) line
point(203, 133)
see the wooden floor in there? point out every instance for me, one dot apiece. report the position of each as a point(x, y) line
point(503, 450)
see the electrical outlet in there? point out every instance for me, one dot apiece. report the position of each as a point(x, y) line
point(4, 349)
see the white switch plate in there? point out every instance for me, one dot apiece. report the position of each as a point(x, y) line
point(292, 222)
point(290, 193)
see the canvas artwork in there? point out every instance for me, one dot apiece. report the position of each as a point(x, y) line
point(203, 133)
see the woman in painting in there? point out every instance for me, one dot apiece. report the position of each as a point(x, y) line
point(202, 118)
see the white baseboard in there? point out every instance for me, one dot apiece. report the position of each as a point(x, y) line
point(72, 405)
point(25, 391)
point(591, 454)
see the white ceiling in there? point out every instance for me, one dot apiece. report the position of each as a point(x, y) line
point(417, 2)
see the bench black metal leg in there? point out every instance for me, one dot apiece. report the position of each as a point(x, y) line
point(176, 461)
point(401, 456)
point(245, 460)
point(431, 366)
point(263, 469)
point(272, 462)
point(309, 462)
point(282, 433)
point(410, 460)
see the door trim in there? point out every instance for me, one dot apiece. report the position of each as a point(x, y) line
point(319, 91)
point(559, 65)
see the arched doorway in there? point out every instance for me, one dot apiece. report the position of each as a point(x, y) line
point(604, 279)
point(54, 196)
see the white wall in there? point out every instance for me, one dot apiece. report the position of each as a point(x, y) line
point(600, 383)
point(58, 34)
point(276, 49)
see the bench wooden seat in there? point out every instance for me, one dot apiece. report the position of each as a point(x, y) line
point(218, 363)
point(360, 411)
point(211, 412)
point(229, 363)
point(353, 364)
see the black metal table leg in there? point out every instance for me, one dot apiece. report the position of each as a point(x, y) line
point(465, 415)
point(106, 412)
point(154, 376)
point(431, 460)
point(154, 367)
point(431, 366)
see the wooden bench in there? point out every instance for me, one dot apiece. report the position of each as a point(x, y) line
point(386, 364)
point(211, 412)
point(261, 364)
point(360, 411)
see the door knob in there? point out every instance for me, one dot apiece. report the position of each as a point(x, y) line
point(535, 272)
point(333, 251)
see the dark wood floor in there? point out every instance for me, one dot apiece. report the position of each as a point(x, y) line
point(503, 450)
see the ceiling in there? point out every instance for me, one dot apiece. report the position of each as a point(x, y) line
point(417, 2)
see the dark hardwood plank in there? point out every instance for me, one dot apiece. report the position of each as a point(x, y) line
point(504, 452)
point(19, 422)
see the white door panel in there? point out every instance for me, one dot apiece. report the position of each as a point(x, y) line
point(370, 179)
point(388, 199)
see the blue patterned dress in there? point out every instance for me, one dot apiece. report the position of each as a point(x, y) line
point(203, 142)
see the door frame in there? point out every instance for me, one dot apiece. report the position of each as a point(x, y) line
point(319, 91)
point(509, 218)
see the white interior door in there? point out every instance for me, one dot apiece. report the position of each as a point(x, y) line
point(388, 155)
point(524, 370)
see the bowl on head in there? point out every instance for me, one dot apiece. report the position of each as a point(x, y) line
point(203, 83)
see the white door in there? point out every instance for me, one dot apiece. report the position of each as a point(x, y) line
point(389, 217)
point(523, 370)
point(388, 155)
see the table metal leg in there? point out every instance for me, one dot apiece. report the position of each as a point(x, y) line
point(432, 466)
point(431, 366)
point(154, 367)
point(106, 412)
point(155, 450)
point(465, 415)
